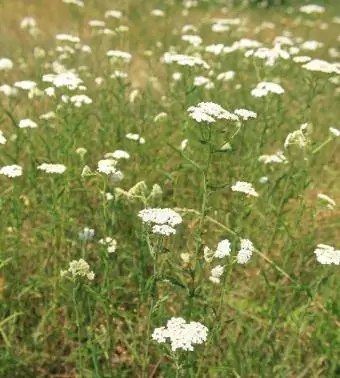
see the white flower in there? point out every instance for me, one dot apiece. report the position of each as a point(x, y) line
point(107, 166)
point(202, 81)
point(3, 140)
point(184, 60)
point(312, 8)
point(27, 123)
point(223, 249)
point(311, 45)
point(330, 202)
point(25, 84)
point(302, 59)
point(86, 234)
point(326, 254)
point(264, 88)
point(5, 64)
point(245, 114)
point(298, 137)
point(208, 254)
point(160, 216)
point(135, 137)
point(97, 23)
point(79, 268)
point(334, 131)
point(194, 40)
point(47, 116)
point(319, 65)
point(79, 3)
point(118, 154)
point(244, 187)
point(180, 334)
point(79, 100)
point(28, 23)
point(246, 251)
point(113, 13)
point(157, 13)
point(121, 55)
point(209, 112)
point(11, 170)
point(66, 79)
point(52, 168)
point(216, 273)
point(215, 49)
point(110, 243)
point(67, 38)
point(277, 158)
point(163, 229)
point(226, 76)
point(7, 90)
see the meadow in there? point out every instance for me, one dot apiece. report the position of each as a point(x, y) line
point(169, 175)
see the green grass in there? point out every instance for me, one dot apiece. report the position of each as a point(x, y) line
point(277, 315)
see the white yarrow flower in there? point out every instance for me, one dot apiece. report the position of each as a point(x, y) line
point(13, 170)
point(244, 187)
point(180, 334)
point(79, 268)
point(326, 254)
point(223, 249)
point(160, 216)
point(52, 168)
point(246, 251)
point(27, 123)
point(163, 229)
point(216, 274)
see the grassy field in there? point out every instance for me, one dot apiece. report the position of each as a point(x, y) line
point(227, 118)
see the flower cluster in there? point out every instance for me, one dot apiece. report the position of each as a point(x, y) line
point(110, 243)
point(326, 254)
point(165, 220)
point(210, 112)
point(244, 187)
point(78, 268)
point(180, 334)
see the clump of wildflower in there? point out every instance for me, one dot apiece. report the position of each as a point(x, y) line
point(264, 88)
point(26, 85)
point(86, 234)
point(216, 273)
point(298, 137)
point(312, 8)
point(223, 249)
point(163, 229)
point(27, 123)
point(66, 79)
point(244, 187)
point(13, 170)
point(78, 269)
point(184, 60)
point(245, 114)
point(277, 158)
point(118, 154)
point(79, 3)
point(210, 112)
point(119, 55)
point(319, 65)
point(52, 168)
point(110, 243)
point(135, 137)
point(8, 91)
point(160, 216)
point(6, 64)
point(107, 166)
point(246, 251)
point(180, 334)
point(326, 254)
